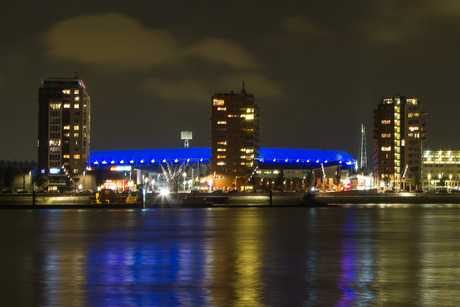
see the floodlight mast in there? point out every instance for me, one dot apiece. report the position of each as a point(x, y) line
point(363, 147)
point(186, 135)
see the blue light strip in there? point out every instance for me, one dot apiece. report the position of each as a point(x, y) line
point(190, 155)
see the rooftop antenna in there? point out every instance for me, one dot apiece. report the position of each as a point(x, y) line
point(243, 91)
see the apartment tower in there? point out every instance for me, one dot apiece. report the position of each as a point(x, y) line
point(234, 139)
point(64, 110)
point(399, 134)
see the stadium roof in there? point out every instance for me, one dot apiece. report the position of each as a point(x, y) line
point(268, 155)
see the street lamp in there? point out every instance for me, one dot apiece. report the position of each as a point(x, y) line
point(185, 175)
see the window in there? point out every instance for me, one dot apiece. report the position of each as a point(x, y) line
point(66, 105)
point(222, 122)
point(76, 106)
point(75, 170)
point(218, 102)
point(76, 156)
point(66, 127)
point(55, 106)
point(386, 121)
point(75, 135)
point(76, 92)
point(221, 149)
point(76, 127)
point(386, 135)
point(222, 143)
point(386, 148)
point(416, 115)
point(66, 92)
point(77, 98)
point(66, 156)
point(221, 109)
point(250, 117)
point(410, 115)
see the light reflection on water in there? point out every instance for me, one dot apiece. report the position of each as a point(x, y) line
point(362, 255)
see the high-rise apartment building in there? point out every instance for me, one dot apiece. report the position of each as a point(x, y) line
point(399, 134)
point(234, 139)
point(64, 110)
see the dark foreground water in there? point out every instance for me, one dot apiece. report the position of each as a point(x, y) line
point(399, 255)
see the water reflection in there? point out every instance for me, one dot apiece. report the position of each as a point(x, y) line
point(355, 256)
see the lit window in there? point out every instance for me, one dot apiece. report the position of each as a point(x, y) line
point(75, 170)
point(416, 114)
point(222, 143)
point(77, 98)
point(66, 127)
point(75, 135)
point(417, 135)
point(55, 106)
point(76, 92)
point(66, 92)
point(76, 106)
point(410, 115)
point(386, 135)
point(66, 105)
point(386, 121)
point(221, 149)
point(410, 135)
point(220, 163)
point(76, 127)
point(76, 156)
point(249, 110)
point(221, 109)
point(250, 117)
point(414, 128)
point(221, 157)
point(386, 148)
point(222, 122)
point(218, 102)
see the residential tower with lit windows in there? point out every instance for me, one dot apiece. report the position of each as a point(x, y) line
point(441, 170)
point(64, 112)
point(234, 139)
point(399, 134)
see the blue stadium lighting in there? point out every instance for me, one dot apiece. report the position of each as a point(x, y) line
point(274, 160)
point(104, 162)
point(308, 161)
point(175, 160)
point(95, 162)
point(164, 161)
point(325, 161)
point(132, 161)
point(112, 162)
point(298, 161)
point(188, 160)
point(153, 161)
point(142, 161)
point(317, 161)
point(122, 162)
point(286, 160)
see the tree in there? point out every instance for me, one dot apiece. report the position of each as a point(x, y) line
point(338, 176)
point(415, 177)
point(8, 178)
point(39, 180)
point(280, 180)
point(309, 178)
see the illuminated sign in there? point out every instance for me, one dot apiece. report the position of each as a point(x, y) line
point(55, 171)
point(121, 168)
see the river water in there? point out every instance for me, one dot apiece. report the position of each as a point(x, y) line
point(366, 255)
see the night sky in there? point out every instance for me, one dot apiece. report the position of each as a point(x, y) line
point(316, 68)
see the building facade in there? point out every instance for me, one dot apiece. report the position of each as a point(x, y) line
point(64, 112)
point(441, 170)
point(399, 134)
point(234, 139)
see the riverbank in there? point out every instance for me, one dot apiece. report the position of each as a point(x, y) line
point(186, 200)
